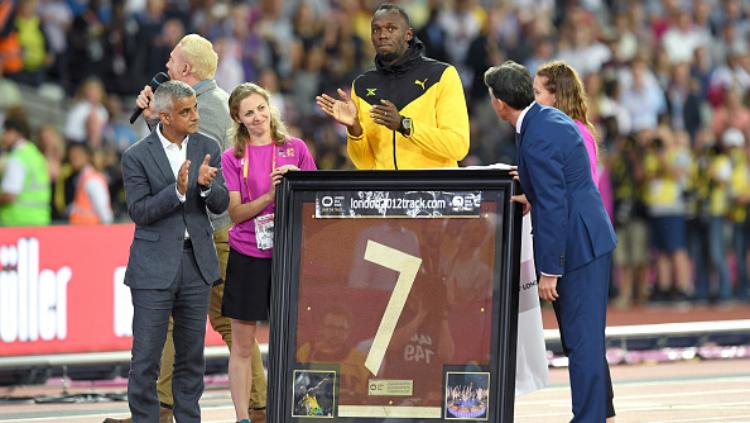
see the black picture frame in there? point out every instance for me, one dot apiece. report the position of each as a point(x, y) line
point(300, 188)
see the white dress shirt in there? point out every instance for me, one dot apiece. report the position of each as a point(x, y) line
point(519, 121)
point(176, 154)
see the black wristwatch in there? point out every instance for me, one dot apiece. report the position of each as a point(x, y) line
point(405, 127)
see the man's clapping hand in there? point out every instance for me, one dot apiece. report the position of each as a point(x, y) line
point(206, 173)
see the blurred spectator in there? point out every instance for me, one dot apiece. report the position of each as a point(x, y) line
point(56, 20)
point(683, 37)
point(52, 146)
point(171, 32)
point(612, 113)
point(433, 35)
point(11, 58)
point(277, 33)
point(719, 174)
point(91, 204)
point(229, 72)
point(579, 46)
point(25, 190)
point(631, 255)
point(701, 69)
point(123, 70)
point(88, 116)
point(461, 25)
point(86, 45)
point(153, 47)
point(677, 94)
point(627, 42)
point(307, 25)
point(118, 133)
point(729, 42)
point(542, 53)
point(735, 140)
point(641, 96)
point(63, 191)
point(729, 75)
point(732, 113)
point(307, 82)
point(696, 206)
point(10, 95)
point(34, 44)
point(269, 80)
point(666, 165)
point(256, 53)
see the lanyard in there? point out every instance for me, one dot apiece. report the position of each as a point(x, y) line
point(246, 166)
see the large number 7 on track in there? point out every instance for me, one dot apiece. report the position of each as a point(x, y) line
point(407, 267)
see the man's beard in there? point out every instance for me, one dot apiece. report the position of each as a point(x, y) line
point(389, 57)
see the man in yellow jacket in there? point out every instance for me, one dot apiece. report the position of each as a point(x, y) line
point(407, 113)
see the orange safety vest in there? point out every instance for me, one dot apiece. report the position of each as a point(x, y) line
point(11, 58)
point(82, 211)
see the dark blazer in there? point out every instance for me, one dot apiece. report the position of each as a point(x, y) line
point(570, 226)
point(160, 218)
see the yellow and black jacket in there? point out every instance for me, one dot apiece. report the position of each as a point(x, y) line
point(425, 90)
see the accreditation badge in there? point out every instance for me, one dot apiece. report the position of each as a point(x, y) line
point(264, 231)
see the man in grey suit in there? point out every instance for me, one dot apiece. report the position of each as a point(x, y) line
point(194, 61)
point(173, 262)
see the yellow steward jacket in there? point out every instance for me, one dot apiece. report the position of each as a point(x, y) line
point(425, 90)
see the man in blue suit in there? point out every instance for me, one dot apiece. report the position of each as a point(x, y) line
point(573, 237)
point(171, 178)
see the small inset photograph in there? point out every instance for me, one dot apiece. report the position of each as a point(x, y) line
point(467, 395)
point(314, 395)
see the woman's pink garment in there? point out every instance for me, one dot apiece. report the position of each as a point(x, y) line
point(258, 182)
point(590, 142)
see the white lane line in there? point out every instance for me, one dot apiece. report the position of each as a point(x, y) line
point(75, 417)
point(744, 418)
point(623, 397)
point(682, 381)
point(686, 394)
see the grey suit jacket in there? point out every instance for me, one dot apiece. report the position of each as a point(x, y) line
point(213, 107)
point(215, 122)
point(160, 218)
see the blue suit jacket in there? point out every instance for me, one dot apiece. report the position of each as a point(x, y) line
point(570, 226)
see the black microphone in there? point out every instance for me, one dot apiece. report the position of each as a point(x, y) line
point(157, 80)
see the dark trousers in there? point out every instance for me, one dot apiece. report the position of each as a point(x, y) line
point(610, 391)
point(187, 301)
point(581, 313)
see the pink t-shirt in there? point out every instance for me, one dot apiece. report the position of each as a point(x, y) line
point(590, 143)
point(293, 152)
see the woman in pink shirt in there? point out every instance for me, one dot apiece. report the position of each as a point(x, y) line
point(557, 85)
point(252, 168)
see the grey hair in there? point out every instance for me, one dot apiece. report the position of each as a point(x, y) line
point(168, 92)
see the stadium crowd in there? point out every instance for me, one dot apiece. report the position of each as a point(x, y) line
point(667, 84)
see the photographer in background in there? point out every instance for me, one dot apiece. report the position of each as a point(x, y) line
point(666, 165)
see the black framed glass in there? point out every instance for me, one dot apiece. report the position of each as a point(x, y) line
point(395, 296)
